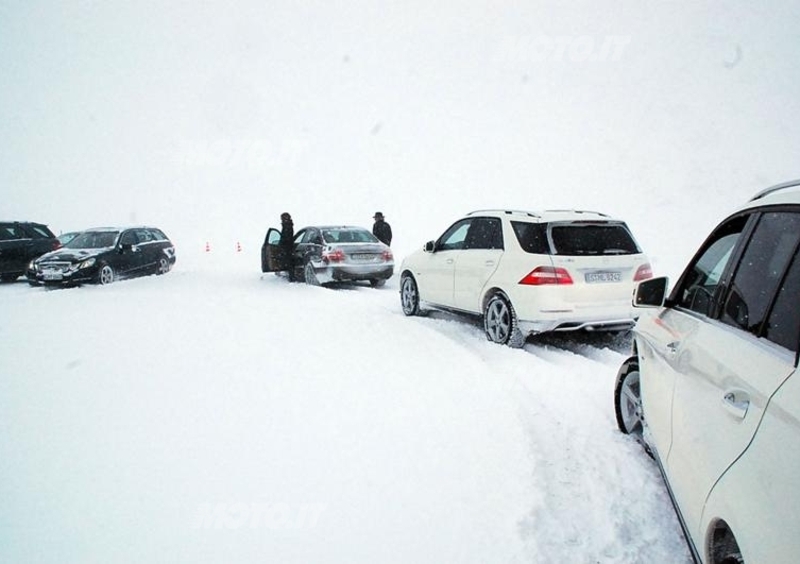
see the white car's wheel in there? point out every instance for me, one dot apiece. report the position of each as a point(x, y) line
point(724, 548)
point(628, 400)
point(409, 295)
point(500, 323)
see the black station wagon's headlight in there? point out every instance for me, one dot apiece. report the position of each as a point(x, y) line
point(85, 264)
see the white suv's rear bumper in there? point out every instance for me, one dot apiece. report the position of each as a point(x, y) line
point(598, 307)
point(541, 326)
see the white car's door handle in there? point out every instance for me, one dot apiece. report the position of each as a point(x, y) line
point(489, 263)
point(736, 403)
point(672, 348)
point(449, 261)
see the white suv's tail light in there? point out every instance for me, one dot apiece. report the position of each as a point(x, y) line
point(643, 273)
point(545, 275)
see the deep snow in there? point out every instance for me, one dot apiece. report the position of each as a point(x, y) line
point(214, 415)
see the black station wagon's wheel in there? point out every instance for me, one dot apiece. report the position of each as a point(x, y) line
point(500, 323)
point(628, 400)
point(105, 275)
point(409, 295)
point(163, 266)
point(310, 275)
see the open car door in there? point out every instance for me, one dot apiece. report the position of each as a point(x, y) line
point(271, 259)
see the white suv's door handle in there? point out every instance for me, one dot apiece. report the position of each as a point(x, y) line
point(489, 263)
point(736, 403)
point(449, 261)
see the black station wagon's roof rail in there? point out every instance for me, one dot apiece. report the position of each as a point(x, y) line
point(777, 187)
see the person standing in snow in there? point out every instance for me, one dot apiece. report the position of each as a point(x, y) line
point(287, 244)
point(381, 229)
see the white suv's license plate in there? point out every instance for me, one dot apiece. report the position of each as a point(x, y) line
point(600, 277)
point(53, 275)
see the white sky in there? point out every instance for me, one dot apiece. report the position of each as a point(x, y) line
point(209, 119)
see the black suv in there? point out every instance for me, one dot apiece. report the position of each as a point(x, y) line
point(103, 255)
point(21, 242)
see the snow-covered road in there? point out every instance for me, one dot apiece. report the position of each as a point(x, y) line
point(214, 415)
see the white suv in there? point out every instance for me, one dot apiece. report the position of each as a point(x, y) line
point(529, 272)
point(714, 371)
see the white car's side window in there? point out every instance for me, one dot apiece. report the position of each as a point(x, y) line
point(485, 233)
point(783, 324)
point(762, 270)
point(701, 284)
point(455, 237)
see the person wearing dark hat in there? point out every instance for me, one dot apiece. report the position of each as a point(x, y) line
point(287, 244)
point(381, 229)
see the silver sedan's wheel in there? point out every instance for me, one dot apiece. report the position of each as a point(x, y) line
point(310, 275)
point(628, 399)
point(500, 323)
point(409, 295)
point(163, 266)
point(105, 275)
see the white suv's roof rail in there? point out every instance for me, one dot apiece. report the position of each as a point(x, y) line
point(507, 212)
point(539, 214)
point(777, 187)
point(579, 212)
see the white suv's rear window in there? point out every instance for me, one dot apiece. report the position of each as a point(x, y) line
point(576, 239)
point(592, 239)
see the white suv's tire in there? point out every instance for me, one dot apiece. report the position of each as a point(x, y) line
point(500, 323)
point(409, 295)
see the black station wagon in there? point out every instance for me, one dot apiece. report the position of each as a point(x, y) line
point(103, 255)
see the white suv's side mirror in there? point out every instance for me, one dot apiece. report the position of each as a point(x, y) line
point(651, 293)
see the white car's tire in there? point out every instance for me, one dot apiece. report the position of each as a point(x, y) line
point(500, 323)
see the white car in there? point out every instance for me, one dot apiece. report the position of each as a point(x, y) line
point(712, 389)
point(529, 272)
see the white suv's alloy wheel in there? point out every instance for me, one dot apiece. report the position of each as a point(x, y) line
point(500, 323)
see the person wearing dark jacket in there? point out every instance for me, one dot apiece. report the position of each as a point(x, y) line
point(381, 229)
point(287, 244)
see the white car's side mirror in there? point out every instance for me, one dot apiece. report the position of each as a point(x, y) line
point(651, 293)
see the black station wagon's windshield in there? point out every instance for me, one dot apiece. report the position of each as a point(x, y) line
point(93, 240)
